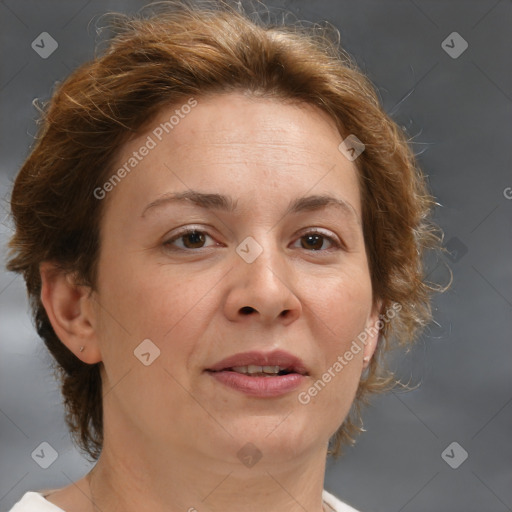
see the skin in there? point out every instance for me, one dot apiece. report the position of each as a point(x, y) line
point(172, 432)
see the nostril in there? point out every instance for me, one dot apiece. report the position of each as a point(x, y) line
point(246, 310)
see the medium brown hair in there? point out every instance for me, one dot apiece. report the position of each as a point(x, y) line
point(188, 50)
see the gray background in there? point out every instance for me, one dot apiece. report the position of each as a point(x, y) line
point(457, 112)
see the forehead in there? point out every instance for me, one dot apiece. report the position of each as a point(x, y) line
point(241, 122)
point(244, 146)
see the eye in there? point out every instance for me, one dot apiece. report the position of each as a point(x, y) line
point(191, 238)
point(314, 240)
point(195, 239)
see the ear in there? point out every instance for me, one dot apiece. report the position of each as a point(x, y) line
point(373, 334)
point(69, 309)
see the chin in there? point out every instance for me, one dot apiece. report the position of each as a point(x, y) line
point(279, 436)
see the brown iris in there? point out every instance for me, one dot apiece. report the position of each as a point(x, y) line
point(196, 239)
point(317, 240)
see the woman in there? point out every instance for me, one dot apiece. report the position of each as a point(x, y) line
point(221, 233)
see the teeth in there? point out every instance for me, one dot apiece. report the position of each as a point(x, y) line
point(252, 369)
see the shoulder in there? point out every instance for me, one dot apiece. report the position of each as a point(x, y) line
point(34, 502)
point(335, 504)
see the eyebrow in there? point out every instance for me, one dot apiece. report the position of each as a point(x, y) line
point(228, 204)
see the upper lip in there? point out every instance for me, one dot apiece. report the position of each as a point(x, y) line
point(275, 358)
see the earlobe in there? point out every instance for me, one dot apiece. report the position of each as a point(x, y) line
point(68, 306)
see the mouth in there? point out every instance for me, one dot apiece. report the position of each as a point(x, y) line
point(260, 375)
point(260, 371)
point(259, 364)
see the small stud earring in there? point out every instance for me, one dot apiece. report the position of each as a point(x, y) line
point(82, 348)
point(366, 359)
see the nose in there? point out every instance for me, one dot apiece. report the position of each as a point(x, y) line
point(263, 291)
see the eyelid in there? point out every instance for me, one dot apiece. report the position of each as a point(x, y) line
point(185, 230)
point(335, 241)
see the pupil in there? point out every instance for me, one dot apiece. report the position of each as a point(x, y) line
point(195, 237)
point(316, 238)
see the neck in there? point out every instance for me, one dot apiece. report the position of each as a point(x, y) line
point(156, 480)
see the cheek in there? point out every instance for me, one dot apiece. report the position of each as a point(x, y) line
point(340, 310)
point(342, 303)
point(161, 306)
point(170, 307)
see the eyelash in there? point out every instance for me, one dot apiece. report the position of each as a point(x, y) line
point(336, 245)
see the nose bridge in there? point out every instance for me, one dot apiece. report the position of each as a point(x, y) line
point(260, 256)
point(262, 278)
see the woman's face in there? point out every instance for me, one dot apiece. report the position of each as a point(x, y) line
point(278, 272)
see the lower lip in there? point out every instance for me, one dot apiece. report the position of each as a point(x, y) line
point(259, 386)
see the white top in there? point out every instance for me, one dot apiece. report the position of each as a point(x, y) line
point(35, 502)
